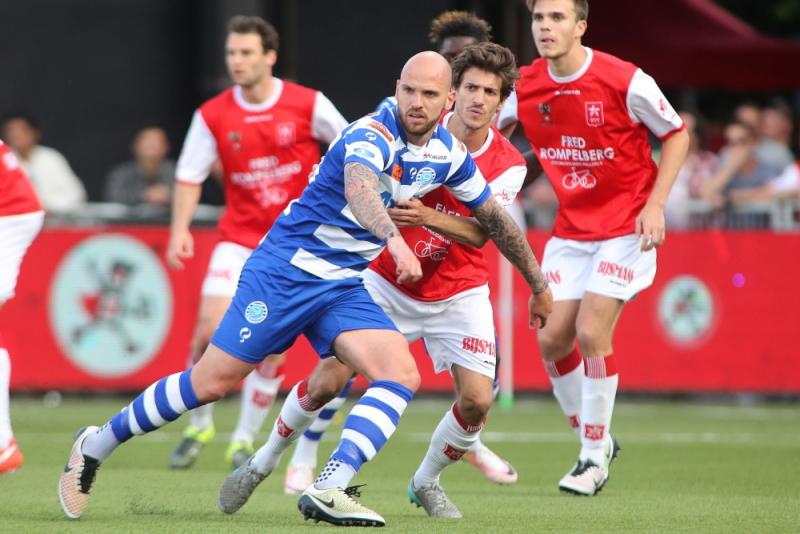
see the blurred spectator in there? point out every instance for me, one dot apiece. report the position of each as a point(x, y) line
point(59, 189)
point(775, 129)
point(149, 177)
point(696, 170)
point(748, 113)
point(541, 203)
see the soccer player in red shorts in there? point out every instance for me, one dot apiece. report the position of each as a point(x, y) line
point(587, 116)
point(21, 218)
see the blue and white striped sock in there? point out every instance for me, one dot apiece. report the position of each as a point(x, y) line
point(305, 452)
point(371, 423)
point(162, 402)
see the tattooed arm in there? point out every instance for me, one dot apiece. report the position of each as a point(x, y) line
point(512, 244)
point(361, 192)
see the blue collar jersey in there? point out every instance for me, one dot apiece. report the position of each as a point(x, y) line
point(319, 234)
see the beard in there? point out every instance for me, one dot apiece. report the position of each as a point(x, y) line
point(419, 129)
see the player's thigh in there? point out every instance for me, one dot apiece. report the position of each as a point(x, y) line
point(597, 319)
point(557, 338)
point(463, 334)
point(216, 373)
point(403, 310)
point(17, 232)
point(212, 310)
point(377, 355)
point(620, 269)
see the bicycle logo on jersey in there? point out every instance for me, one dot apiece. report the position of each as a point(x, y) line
point(582, 178)
point(426, 249)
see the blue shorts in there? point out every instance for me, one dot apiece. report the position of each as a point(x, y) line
point(275, 302)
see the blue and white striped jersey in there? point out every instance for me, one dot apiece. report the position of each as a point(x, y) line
point(319, 234)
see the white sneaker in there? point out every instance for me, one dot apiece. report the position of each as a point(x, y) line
point(587, 478)
point(76, 481)
point(491, 465)
point(298, 478)
point(433, 500)
point(337, 506)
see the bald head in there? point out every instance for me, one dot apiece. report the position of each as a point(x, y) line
point(423, 91)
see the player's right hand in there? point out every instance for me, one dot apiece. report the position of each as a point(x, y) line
point(180, 247)
point(408, 267)
point(539, 308)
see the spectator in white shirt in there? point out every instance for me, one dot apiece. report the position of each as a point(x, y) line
point(59, 189)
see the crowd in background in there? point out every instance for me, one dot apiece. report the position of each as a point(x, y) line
point(729, 179)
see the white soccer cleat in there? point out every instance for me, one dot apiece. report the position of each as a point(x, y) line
point(298, 478)
point(433, 500)
point(491, 465)
point(239, 486)
point(337, 506)
point(76, 481)
point(588, 478)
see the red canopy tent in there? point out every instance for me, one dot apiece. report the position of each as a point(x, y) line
point(693, 44)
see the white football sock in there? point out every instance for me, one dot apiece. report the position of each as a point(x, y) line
point(451, 439)
point(258, 395)
point(599, 393)
point(5, 416)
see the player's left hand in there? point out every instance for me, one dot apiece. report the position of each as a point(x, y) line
point(411, 212)
point(539, 308)
point(650, 227)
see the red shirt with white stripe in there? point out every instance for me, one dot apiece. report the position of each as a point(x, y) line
point(267, 152)
point(448, 267)
point(590, 133)
point(17, 195)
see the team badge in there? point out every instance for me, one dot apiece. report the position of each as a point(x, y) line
point(285, 133)
point(256, 312)
point(594, 114)
point(236, 140)
point(544, 111)
point(425, 176)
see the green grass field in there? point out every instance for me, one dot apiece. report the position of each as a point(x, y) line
point(684, 467)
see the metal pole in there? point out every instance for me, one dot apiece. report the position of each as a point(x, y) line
point(506, 348)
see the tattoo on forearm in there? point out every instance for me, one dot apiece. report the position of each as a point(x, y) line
point(361, 192)
point(510, 241)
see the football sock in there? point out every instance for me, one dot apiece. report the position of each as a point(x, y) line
point(371, 423)
point(298, 412)
point(162, 402)
point(566, 375)
point(451, 439)
point(258, 395)
point(305, 453)
point(599, 392)
point(5, 415)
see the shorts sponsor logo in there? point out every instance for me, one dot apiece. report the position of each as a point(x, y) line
point(256, 312)
point(478, 346)
point(453, 453)
point(686, 310)
point(594, 114)
point(553, 277)
point(110, 305)
point(594, 432)
point(245, 334)
point(616, 271)
point(219, 273)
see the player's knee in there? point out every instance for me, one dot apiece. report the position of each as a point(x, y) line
point(591, 339)
point(409, 376)
point(211, 390)
point(554, 346)
point(474, 406)
point(323, 389)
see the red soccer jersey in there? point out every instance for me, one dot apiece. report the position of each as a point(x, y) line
point(590, 133)
point(17, 195)
point(448, 267)
point(267, 151)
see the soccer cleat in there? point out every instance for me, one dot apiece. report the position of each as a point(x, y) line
point(239, 486)
point(238, 453)
point(298, 478)
point(587, 478)
point(10, 458)
point(78, 476)
point(433, 499)
point(491, 465)
point(337, 506)
point(185, 454)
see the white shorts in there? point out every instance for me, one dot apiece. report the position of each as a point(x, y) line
point(458, 330)
point(16, 235)
point(615, 268)
point(224, 269)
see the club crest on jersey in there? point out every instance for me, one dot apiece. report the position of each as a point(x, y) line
point(544, 111)
point(424, 176)
point(256, 312)
point(285, 133)
point(594, 114)
point(236, 140)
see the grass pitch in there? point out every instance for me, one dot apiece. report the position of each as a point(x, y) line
point(684, 467)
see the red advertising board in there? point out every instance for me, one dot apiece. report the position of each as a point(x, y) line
point(98, 310)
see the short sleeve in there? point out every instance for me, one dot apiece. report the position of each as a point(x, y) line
point(198, 154)
point(648, 105)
